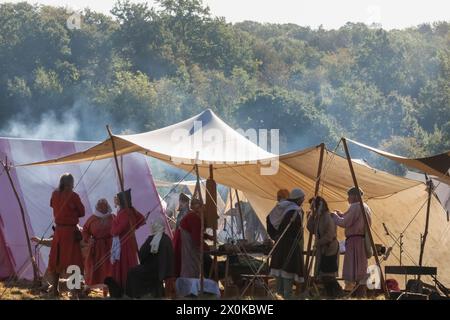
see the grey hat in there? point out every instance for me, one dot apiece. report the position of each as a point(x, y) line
point(296, 193)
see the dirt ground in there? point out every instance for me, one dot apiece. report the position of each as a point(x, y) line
point(23, 290)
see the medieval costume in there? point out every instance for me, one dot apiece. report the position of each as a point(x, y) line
point(66, 247)
point(326, 245)
point(286, 264)
point(124, 246)
point(97, 234)
point(156, 264)
point(183, 208)
point(355, 259)
point(187, 243)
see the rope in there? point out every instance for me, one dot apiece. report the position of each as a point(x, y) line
point(241, 249)
point(129, 232)
point(27, 262)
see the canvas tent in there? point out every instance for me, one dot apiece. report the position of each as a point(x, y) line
point(35, 185)
point(240, 164)
point(437, 165)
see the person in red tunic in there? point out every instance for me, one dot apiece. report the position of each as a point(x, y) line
point(187, 243)
point(97, 236)
point(66, 247)
point(124, 247)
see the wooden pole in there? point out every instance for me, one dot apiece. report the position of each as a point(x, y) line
point(122, 188)
point(215, 266)
point(316, 225)
point(231, 217)
point(366, 222)
point(202, 230)
point(240, 213)
point(425, 234)
point(22, 212)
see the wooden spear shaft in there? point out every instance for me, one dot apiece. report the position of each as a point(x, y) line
point(240, 214)
point(202, 230)
point(366, 222)
point(122, 187)
point(215, 266)
point(22, 212)
point(316, 193)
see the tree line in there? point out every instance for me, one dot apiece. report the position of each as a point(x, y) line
point(143, 68)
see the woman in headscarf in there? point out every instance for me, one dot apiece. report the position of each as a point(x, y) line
point(124, 250)
point(187, 243)
point(156, 264)
point(327, 246)
point(66, 247)
point(97, 236)
point(183, 208)
point(286, 264)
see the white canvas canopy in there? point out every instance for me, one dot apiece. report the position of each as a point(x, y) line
point(397, 202)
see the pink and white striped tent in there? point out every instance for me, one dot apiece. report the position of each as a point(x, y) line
point(93, 179)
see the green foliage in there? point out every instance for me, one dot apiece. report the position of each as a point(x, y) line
point(143, 68)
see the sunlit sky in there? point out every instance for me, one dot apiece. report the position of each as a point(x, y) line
point(328, 13)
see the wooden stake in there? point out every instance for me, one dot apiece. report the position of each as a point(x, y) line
point(22, 212)
point(366, 222)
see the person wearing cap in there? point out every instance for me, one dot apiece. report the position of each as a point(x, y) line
point(183, 207)
point(286, 264)
point(355, 259)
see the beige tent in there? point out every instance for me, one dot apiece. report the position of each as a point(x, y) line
point(398, 203)
point(437, 165)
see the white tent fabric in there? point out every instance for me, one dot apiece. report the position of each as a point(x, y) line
point(94, 180)
point(398, 202)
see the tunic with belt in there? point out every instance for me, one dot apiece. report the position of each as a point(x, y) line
point(97, 263)
point(66, 249)
point(355, 259)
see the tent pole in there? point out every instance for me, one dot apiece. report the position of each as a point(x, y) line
point(366, 222)
point(22, 212)
point(122, 187)
point(230, 192)
point(425, 233)
point(309, 257)
point(202, 230)
point(215, 267)
point(240, 213)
